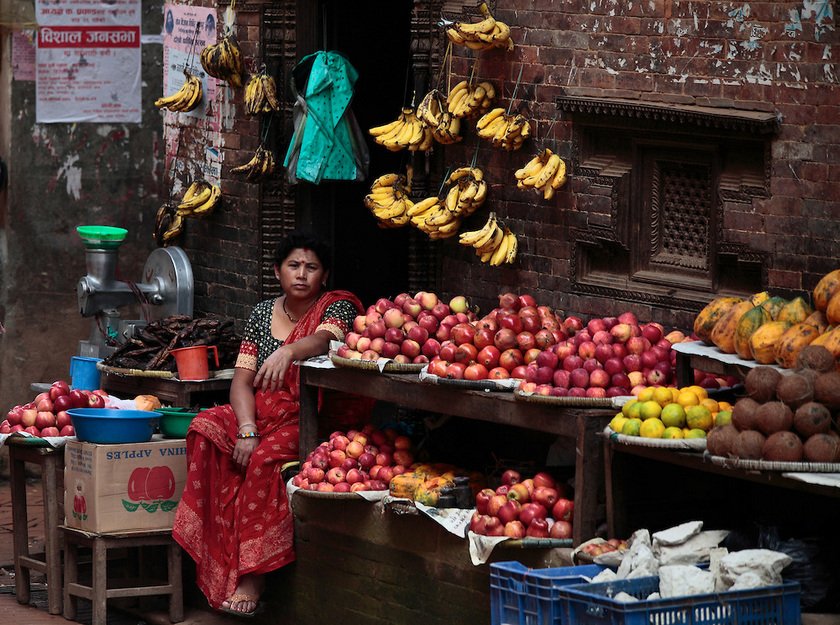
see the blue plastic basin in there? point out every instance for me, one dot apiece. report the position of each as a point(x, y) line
point(109, 425)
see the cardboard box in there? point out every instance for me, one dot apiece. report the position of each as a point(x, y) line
point(124, 487)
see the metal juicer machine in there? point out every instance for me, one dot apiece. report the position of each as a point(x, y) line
point(166, 288)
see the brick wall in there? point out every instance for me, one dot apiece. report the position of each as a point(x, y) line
point(762, 56)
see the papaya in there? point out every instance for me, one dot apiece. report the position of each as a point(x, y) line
point(706, 319)
point(723, 334)
point(818, 320)
point(763, 341)
point(830, 340)
point(794, 339)
point(795, 311)
point(832, 312)
point(774, 305)
point(749, 322)
point(405, 485)
point(828, 285)
point(758, 299)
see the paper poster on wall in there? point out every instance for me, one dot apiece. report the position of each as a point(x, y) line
point(87, 61)
point(23, 55)
point(187, 30)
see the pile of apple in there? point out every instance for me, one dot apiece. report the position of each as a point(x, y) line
point(597, 548)
point(356, 460)
point(406, 329)
point(500, 344)
point(606, 357)
point(534, 507)
point(46, 415)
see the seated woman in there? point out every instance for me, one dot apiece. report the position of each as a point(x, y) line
point(234, 518)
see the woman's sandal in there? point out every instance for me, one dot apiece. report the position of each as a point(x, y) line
point(240, 597)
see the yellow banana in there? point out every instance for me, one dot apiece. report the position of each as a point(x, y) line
point(439, 217)
point(197, 199)
point(423, 205)
point(484, 26)
point(489, 90)
point(489, 117)
point(533, 167)
point(385, 128)
point(497, 234)
point(481, 193)
point(386, 180)
point(449, 229)
point(206, 207)
point(451, 200)
point(513, 246)
point(500, 253)
point(480, 236)
point(269, 87)
point(548, 171)
point(454, 36)
point(560, 176)
point(176, 227)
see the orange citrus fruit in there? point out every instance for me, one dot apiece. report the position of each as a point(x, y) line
point(711, 404)
point(651, 428)
point(631, 427)
point(696, 433)
point(662, 395)
point(698, 390)
point(618, 422)
point(649, 410)
point(625, 409)
point(675, 392)
point(687, 398)
point(698, 417)
point(646, 394)
point(723, 417)
point(673, 432)
point(673, 415)
point(635, 411)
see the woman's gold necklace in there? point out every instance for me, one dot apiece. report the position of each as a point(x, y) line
point(292, 319)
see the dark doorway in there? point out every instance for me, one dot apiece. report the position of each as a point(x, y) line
point(374, 35)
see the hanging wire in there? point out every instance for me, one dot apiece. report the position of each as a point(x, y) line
point(515, 89)
point(445, 178)
point(190, 56)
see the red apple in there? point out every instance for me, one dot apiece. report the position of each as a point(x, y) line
point(5, 427)
point(495, 503)
point(96, 401)
point(519, 492)
point(32, 430)
point(336, 457)
point(561, 530)
point(546, 496)
point(336, 475)
point(462, 333)
point(538, 528)
point(509, 301)
point(563, 509)
point(67, 430)
point(514, 529)
point(509, 511)
point(482, 499)
point(510, 477)
point(28, 416)
point(14, 415)
point(531, 511)
point(44, 419)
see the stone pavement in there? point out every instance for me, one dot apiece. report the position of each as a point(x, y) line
point(36, 613)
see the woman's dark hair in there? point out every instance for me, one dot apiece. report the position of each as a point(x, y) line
point(300, 239)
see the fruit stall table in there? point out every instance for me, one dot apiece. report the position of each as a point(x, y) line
point(182, 393)
point(579, 424)
point(690, 484)
point(697, 355)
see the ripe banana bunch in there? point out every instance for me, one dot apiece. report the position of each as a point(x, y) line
point(406, 132)
point(431, 217)
point(502, 130)
point(432, 113)
point(545, 173)
point(223, 60)
point(199, 199)
point(168, 224)
point(261, 95)
point(448, 130)
point(186, 98)
point(483, 35)
point(465, 100)
point(493, 243)
point(467, 193)
point(388, 201)
point(261, 164)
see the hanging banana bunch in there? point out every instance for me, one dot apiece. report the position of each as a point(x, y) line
point(545, 173)
point(493, 243)
point(445, 128)
point(223, 60)
point(483, 35)
point(261, 94)
point(388, 201)
point(186, 99)
point(199, 199)
point(406, 132)
point(465, 100)
point(468, 191)
point(261, 165)
point(504, 131)
point(168, 225)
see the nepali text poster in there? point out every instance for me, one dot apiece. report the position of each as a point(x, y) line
point(87, 61)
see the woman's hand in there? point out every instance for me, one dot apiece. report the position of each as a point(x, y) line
point(242, 450)
point(273, 371)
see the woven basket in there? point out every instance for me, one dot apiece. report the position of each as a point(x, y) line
point(583, 402)
point(770, 465)
point(372, 365)
point(677, 444)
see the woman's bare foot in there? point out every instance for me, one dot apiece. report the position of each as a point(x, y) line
point(244, 599)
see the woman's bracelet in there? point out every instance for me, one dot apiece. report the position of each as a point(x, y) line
point(243, 435)
point(247, 425)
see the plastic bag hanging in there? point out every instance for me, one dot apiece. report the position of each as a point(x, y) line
point(327, 143)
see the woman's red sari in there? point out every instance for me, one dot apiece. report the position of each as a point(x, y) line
point(231, 522)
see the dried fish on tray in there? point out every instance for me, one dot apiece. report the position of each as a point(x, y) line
point(150, 349)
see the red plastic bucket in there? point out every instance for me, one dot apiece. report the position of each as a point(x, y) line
point(192, 361)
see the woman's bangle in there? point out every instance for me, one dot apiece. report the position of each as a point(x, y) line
point(248, 425)
point(242, 435)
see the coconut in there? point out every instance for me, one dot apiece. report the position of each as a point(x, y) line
point(748, 445)
point(721, 439)
point(761, 382)
point(816, 358)
point(822, 447)
point(743, 414)
point(782, 447)
point(811, 418)
point(794, 390)
point(772, 417)
point(827, 389)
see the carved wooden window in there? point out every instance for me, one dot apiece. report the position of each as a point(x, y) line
point(654, 182)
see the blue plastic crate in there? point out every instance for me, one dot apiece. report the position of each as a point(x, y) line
point(592, 604)
point(523, 596)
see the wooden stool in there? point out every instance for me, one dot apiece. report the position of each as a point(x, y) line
point(98, 592)
point(51, 461)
